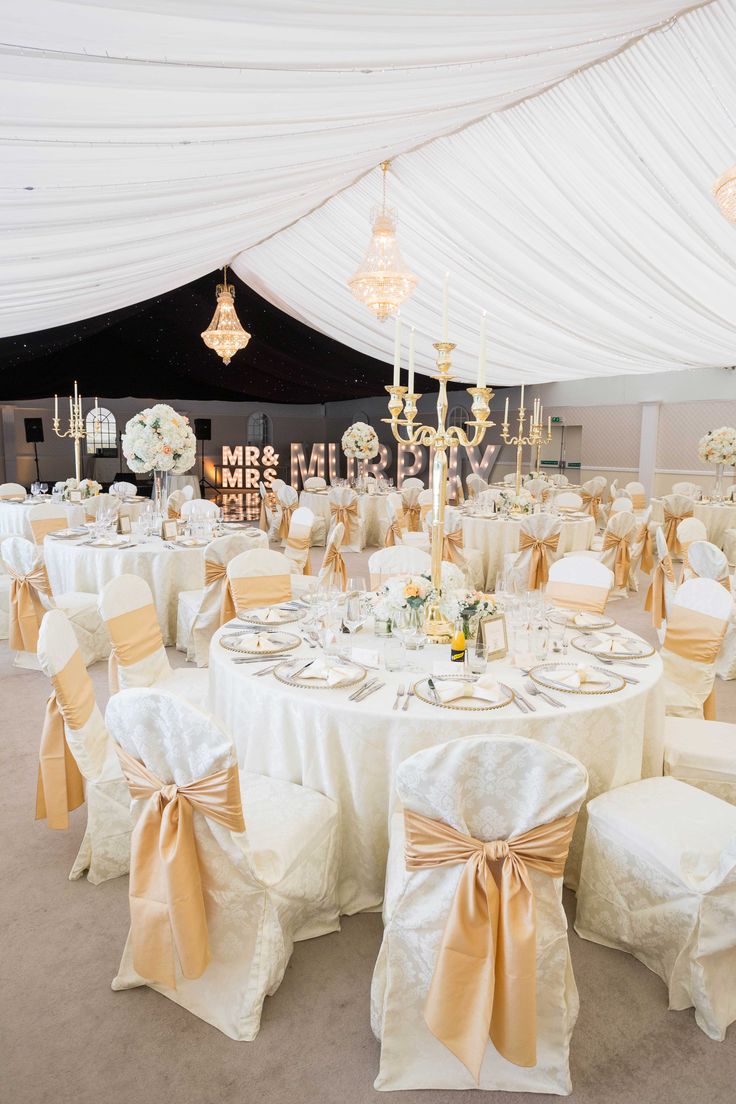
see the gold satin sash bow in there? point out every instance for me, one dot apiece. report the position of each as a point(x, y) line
point(334, 563)
point(638, 500)
point(647, 549)
point(254, 591)
point(671, 521)
point(393, 534)
point(215, 573)
point(26, 607)
point(135, 636)
point(592, 501)
point(622, 562)
point(452, 547)
point(413, 516)
point(173, 512)
point(301, 544)
point(60, 786)
point(167, 911)
point(539, 563)
point(285, 523)
point(577, 596)
point(655, 599)
point(484, 981)
point(697, 637)
point(44, 526)
point(348, 515)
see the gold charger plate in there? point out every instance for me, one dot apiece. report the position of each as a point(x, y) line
point(316, 684)
point(615, 681)
point(289, 616)
point(580, 643)
point(465, 705)
point(284, 642)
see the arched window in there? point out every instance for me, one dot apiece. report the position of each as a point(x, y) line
point(458, 416)
point(259, 430)
point(101, 431)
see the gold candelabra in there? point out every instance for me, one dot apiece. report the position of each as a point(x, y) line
point(534, 436)
point(76, 427)
point(439, 437)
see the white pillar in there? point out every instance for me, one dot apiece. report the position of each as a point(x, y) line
point(648, 445)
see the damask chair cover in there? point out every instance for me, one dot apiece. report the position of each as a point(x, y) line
point(642, 550)
point(5, 585)
point(621, 505)
point(31, 595)
point(488, 789)
point(729, 546)
point(75, 736)
point(198, 508)
point(510, 479)
point(616, 550)
point(638, 494)
point(315, 483)
point(539, 489)
point(568, 501)
point(270, 515)
point(579, 583)
point(398, 560)
point(267, 861)
point(201, 612)
point(676, 508)
point(696, 625)
point(411, 507)
point(344, 507)
point(658, 880)
point(299, 539)
point(425, 500)
point(690, 490)
point(663, 586)
point(12, 492)
point(412, 482)
point(468, 560)
point(688, 531)
point(559, 480)
point(397, 527)
point(123, 489)
point(613, 491)
point(262, 577)
point(102, 501)
point(475, 485)
point(703, 754)
point(592, 493)
point(333, 567)
point(706, 561)
point(539, 537)
point(174, 503)
point(46, 518)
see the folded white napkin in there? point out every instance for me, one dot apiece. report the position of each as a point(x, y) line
point(486, 688)
point(330, 673)
point(585, 620)
point(270, 616)
point(602, 642)
point(581, 675)
point(262, 642)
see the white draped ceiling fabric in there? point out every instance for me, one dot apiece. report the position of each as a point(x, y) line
point(555, 158)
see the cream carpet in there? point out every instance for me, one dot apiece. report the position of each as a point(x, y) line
point(66, 1038)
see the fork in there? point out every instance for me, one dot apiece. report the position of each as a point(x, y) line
point(533, 689)
point(407, 699)
point(399, 695)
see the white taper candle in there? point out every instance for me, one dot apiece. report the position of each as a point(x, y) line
point(482, 353)
point(445, 293)
point(411, 361)
point(397, 351)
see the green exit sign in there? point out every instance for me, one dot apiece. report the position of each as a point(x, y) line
point(557, 419)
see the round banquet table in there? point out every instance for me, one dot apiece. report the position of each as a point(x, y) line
point(350, 750)
point(76, 565)
point(14, 518)
point(717, 517)
point(373, 510)
point(493, 536)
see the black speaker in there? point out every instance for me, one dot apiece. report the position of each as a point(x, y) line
point(203, 429)
point(34, 430)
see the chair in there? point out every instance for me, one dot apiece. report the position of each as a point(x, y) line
point(12, 492)
point(638, 494)
point(568, 502)
point(298, 542)
point(616, 549)
point(621, 505)
point(662, 587)
point(201, 612)
point(100, 503)
point(75, 746)
point(468, 560)
point(198, 509)
point(729, 546)
point(5, 585)
point(31, 595)
point(475, 485)
point(703, 754)
point(412, 509)
point(256, 859)
point(270, 515)
point(642, 550)
point(591, 492)
point(689, 530)
point(425, 500)
point(123, 489)
point(430, 1007)
point(397, 526)
point(315, 483)
point(696, 625)
point(676, 507)
point(46, 518)
point(333, 569)
point(706, 561)
point(539, 489)
point(263, 577)
point(175, 502)
point(690, 490)
point(539, 536)
point(344, 507)
point(138, 655)
point(579, 583)
point(412, 483)
point(386, 563)
point(658, 880)
point(559, 480)
point(510, 479)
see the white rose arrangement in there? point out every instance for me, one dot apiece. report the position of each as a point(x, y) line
point(400, 593)
point(360, 441)
point(159, 438)
point(88, 487)
point(467, 605)
point(510, 502)
point(718, 446)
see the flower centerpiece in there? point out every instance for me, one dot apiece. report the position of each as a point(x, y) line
point(360, 441)
point(88, 488)
point(160, 441)
point(718, 446)
point(536, 473)
point(508, 502)
point(402, 601)
point(469, 606)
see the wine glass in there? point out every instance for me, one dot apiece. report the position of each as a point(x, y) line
point(35, 487)
point(43, 488)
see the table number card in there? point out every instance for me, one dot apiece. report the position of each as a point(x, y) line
point(124, 525)
point(495, 637)
point(169, 530)
point(75, 496)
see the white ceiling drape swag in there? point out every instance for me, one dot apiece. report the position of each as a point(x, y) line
point(144, 145)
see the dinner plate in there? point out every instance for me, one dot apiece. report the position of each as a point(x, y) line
point(467, 705)
point(283, 674)
point(68, 534)
point(639, 649)
point(191, 542)
point(544, 675)
point(243, 643)
point(110, 542)
point(565, 617)
point(252, 617)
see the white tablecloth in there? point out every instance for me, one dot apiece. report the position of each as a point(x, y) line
point(372, 508)
point(74, 566)
point(495, 536)
point(350, 751)
point(717, 517)
point(14, 518)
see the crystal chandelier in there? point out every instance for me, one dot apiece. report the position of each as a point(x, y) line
point(225, 334)
point(383, 280)
point(724, 190)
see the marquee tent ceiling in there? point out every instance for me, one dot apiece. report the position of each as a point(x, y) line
point(556, 158)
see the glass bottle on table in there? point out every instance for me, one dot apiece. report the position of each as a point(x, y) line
point(457, 644)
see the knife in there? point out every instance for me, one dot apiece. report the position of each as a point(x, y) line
point(371, 690)
point(433, 688)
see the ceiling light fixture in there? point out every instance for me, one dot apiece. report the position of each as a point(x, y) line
point(225, 334)
point(383, 280)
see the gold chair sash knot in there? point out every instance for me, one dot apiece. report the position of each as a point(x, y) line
point(167, 911)
point(334, 564)
point(484, 981)
point(348, 515)
point(60, 785)
point(671, 521)
point(413, 516)
point(644, 537)
point(655, 599)
point(26, 607)
point(592, 501)
point(215, 572)
point(285, 523)
point(622, 562)
point(452, 547)
point(539, 562)
point(393, 534)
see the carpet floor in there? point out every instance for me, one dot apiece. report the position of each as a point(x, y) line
point(66, 1037)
